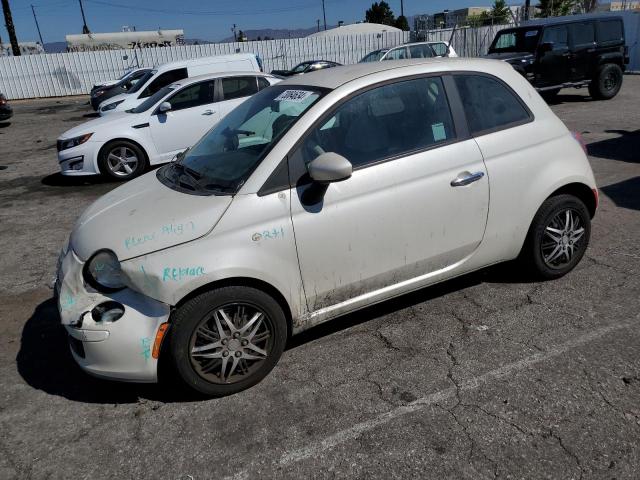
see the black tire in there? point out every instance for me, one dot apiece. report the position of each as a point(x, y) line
point(132, 150)
point(607, 82)
point(540, 246)
point(207, 375)
point(550, 95)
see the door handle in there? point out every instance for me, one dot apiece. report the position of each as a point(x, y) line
point(465, 178)
point(208, 112)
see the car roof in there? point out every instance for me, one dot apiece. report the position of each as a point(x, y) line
point(338, 76)
point(211, 76)
point(542, 22)
point(202, 60)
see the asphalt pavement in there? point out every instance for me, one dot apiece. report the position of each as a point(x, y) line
point(487, 376)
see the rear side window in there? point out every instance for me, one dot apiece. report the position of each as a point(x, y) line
point(440, 48)
point(420, 51)
point(583, 33)
point(263, 83)
point(489, 104)
point(386, 121)
point(610, 31)
point(164, 79)
point(238, 87)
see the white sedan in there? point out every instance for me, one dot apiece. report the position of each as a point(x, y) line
point(124, 144)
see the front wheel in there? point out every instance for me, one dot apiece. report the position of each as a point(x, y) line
point(558, 237)
point(227, 340)
point(607, 82)
point(122, 160)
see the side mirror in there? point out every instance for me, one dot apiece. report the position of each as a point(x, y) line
point(329, 167)
point(546, 47)
point(164, 107)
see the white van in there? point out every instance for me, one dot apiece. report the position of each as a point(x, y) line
point(173, 72)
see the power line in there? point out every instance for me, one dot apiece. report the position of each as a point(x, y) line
point(33, 10)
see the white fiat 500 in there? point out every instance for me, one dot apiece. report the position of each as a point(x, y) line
point(316, 197)
point(123, 144)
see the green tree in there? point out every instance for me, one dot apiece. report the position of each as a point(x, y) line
point(402, 23)
point(476, 20)
point(500, 12)
point(380, 12)
point(554, 8)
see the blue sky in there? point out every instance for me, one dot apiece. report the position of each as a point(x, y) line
point(208, 20)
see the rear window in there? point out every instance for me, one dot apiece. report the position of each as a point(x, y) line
point(610, 31)
point(489, 104)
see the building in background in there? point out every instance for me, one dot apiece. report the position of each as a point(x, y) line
point(26, 48)
point(126, 39)
point(356, 29)
point(624, 5)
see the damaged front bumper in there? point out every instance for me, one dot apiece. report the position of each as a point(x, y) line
point(120, 349)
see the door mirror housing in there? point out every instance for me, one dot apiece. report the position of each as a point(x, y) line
point(329, 167)
point(546, 47)
point(164, 107)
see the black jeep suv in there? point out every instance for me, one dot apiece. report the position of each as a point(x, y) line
point(566, 53)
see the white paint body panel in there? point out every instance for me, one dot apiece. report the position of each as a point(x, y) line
point(391, 228)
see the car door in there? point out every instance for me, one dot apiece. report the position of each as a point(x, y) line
point(235, 90)
point(398, 218)
point(583, 48)
point(193, 112)
point(553, 56)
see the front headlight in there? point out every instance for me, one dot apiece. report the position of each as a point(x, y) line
point(111, 106)
point(103, 272)
point(73, 142)
point(99, 93)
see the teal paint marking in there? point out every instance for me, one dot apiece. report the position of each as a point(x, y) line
point(177, 274)
point(146, 348)
point(168, 229)
point(66, 301)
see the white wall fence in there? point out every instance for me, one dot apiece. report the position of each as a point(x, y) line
point(74, 73)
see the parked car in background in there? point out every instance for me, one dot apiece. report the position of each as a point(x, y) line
point(6, 112)
point(300, 206)
point(411, 50)
point(109, 83)
point(100, 93)
point(172, 72)
point(124, 144)
point(567, 53)
point(306, 67)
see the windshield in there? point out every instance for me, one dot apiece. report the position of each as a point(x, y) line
point(301, 67)
point(374, 56)
point(152, 100)
point(225, 157)
point(519, 40)
point(142, 81)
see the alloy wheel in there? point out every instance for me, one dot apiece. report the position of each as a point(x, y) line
point(231, 343)
point(122, 161)
point(562, 239)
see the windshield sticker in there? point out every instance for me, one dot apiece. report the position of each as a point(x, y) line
point(531, 33)
point(438, 132)
point(296, 96)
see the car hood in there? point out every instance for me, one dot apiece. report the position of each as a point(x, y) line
point(143, 216)
point(100, 125)
point(510, 56)
point(106, 84)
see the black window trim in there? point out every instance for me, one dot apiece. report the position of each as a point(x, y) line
point(499, 128)
point(460, 126)
point(221, 89)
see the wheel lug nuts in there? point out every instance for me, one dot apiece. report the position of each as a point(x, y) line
point(225, 353)
point(238, 354)
point(224, 341)
point(236, 335)
point(245, 343)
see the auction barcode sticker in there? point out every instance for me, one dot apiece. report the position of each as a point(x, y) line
point(294, 95)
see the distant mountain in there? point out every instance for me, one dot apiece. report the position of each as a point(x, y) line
point(55, 47)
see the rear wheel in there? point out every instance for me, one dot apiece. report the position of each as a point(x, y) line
point(607, 82)
point(550, 95)
point(558, 237)
point(227, 340)
point(122, 160)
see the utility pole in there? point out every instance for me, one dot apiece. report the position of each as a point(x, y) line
point(8, 21)
point(324, 15)
point(527, 6)
point(38, 27)
point(402, 8)
point(85, 29)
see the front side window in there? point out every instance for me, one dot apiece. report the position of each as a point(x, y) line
point(559, 36)
point(440, 48)
point(164, 79)
point(193, 96)
point(489, 104)
point(397, 54)
point(421, 51)
point(375, 56)
point(238, 87)
point(384, 122)
point(583, 33)
point(225, 157)
point(519, 40)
